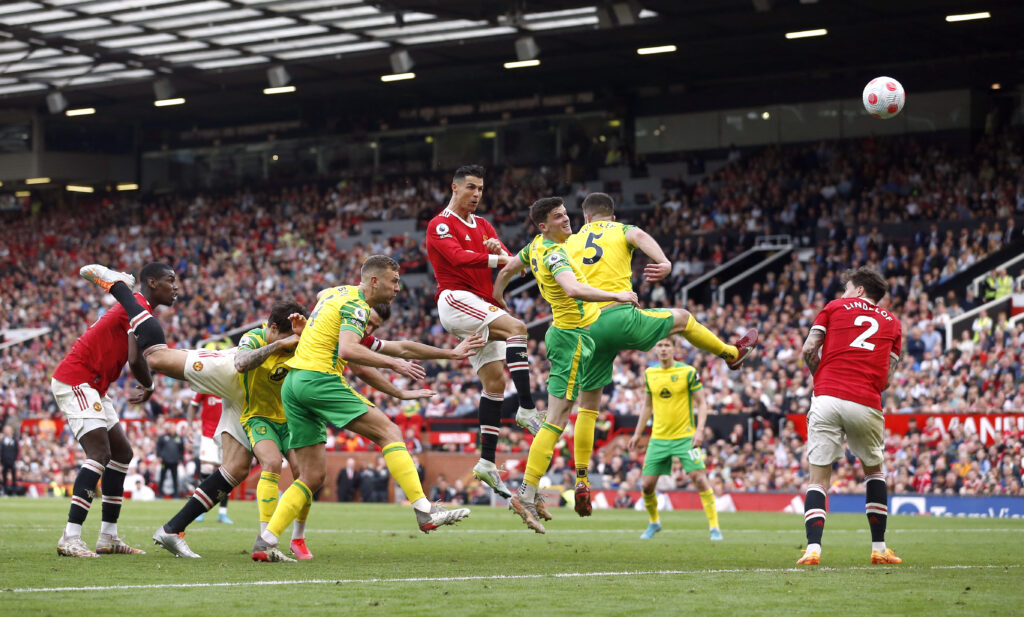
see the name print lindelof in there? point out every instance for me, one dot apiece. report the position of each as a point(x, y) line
point(867, 306)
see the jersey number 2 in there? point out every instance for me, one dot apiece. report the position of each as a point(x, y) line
point(598, 251)
point(861, 342)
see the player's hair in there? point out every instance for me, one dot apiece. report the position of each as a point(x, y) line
point(383, 310)
point(541, 208)
point(874, 284)
point(477, 171)
point(153, 270)
point(279, 312)
point(375, 264)
point(598, 204)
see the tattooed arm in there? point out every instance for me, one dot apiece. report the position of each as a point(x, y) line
point(811, 346)
point(894, 363)
point(247, 359)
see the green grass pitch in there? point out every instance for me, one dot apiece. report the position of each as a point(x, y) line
point(372, 560)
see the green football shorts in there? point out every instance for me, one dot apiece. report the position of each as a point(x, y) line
point(620, 328)
point(569, 352)
point(660, 453)
point(312, 400)
point(260, 429)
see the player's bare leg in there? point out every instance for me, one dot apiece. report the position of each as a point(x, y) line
point(513, 332)
point(685, 324)
point(167, 361)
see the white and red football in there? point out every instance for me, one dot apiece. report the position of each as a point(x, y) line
point(884, 97)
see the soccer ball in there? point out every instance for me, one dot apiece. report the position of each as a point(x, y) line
point(884, 97)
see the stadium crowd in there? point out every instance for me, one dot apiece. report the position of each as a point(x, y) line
point(237, 252)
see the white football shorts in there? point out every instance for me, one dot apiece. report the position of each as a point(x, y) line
point(831, 418)
point(463, 314)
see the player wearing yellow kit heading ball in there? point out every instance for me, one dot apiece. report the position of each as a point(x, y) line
point(569, 346)
point(604, 249)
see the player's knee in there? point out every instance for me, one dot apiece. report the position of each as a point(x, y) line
point(392, 434)
point(681, 317)
point(648, 487)
point(313, 479)
point(122, 454)
point(271, 464)
point(101, 456)
point(518, 328)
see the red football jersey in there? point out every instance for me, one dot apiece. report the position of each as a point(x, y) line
point(98, 357)
point(860, 337)
point(210, 407)
point(456, 251)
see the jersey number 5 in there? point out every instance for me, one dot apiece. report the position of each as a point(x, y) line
point(598, 251)
point(861, 342)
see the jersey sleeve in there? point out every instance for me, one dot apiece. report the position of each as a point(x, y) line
point(694, 381)
point(197, 399)
point(821, 321)
point(524, 255)
point(253, 339)
point(647, 383)
point(556, 261)
point(439, 235)
point(353, 316)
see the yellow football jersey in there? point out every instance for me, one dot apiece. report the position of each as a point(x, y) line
point(671, 392)
point(340, 308)
point(262, 385)
point(546, 259)
point(604, 255)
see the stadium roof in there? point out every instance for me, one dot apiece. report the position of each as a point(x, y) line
point(109, 53)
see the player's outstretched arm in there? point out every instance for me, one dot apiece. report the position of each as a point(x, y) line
point(376, 380)
point(141, 373)
point(247, 358)
point(581, 291)
point(660, 266)
point(641, 423)
point(811, 346)
point(411, 350)
point(352, 352)
point(512, 268)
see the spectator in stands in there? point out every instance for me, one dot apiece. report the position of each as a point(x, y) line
point(348, 481)
point(8, 462)
point(170, 449)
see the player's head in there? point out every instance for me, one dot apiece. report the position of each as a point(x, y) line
point(380, 276)
point(467, 187)
point(549, 215)
point(378, 315)
point(599, 207)
point(665, 349)
point(278, 324)
point(158, 283)
point(865, 282)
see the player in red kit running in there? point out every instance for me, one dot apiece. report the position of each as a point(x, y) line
point(853, 350)
point(463, 249)
point(210, 453)
point(79, 386)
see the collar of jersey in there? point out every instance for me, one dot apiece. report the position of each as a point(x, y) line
point(470, 223)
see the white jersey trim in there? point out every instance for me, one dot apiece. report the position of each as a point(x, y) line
point(471, 223)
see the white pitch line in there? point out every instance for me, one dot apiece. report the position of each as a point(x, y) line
point(410, 530)
point(494, 577)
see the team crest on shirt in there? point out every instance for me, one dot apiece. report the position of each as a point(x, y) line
point(492, 308)
point(665, 393)
point(97, 407)
point(197, 366)
point(279, 373)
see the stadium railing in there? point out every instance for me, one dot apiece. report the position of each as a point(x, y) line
point(739, 263)
point(963, 322)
